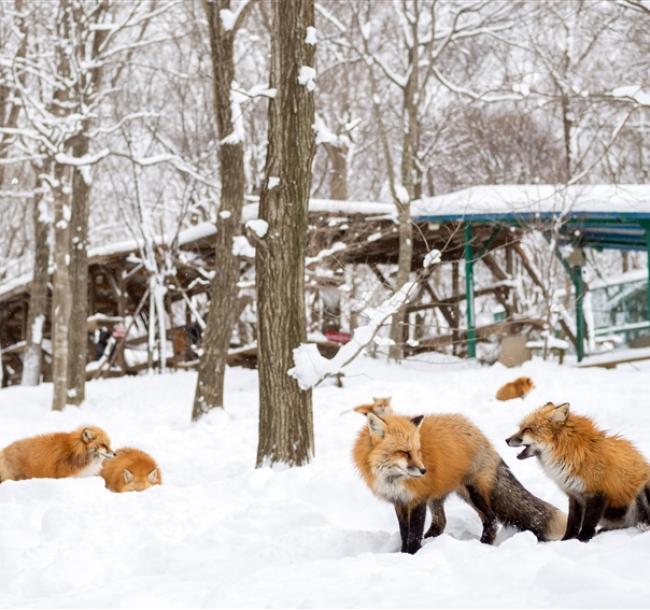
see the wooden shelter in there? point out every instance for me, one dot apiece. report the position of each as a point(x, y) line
point(340, 233)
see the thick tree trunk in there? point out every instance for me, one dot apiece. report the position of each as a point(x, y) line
point(78, 339)
point(409, 181)
point(285, 423)
point(61, 297)
point(37, 299)
point(221, 315)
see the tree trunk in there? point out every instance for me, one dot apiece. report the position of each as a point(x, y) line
point(37, 299)
point(61, 297)
point(338, 155)
point(221, 315)
point(78, 338)
point(285, 423)
point(403, 203)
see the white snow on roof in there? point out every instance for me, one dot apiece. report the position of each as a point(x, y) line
point(537, 199)
point(500, 199)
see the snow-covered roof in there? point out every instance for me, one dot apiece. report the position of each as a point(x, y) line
point(536, 201)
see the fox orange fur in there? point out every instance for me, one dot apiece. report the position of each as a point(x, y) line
point(57, 455)
point(605, 476)
point(415, 462)
point(515, 389)
point(130, 470)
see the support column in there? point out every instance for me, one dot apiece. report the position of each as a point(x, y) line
point(574, 270)
point(646, 226)
point(469, 290)
point(578, 284)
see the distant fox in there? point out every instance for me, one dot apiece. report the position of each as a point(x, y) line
point(415, 462)
point(61, 454)
point(130, 470)
point(515, 389)
point(379, 406)
point(605, 477)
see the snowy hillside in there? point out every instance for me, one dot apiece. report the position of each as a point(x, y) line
point(219, 533)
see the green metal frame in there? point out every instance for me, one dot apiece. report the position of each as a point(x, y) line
point(621, 237)
point(646, 226)
point(575, 273)
point(469, 289)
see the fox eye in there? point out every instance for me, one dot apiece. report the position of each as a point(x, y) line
point(525, 430)
point(406, 454)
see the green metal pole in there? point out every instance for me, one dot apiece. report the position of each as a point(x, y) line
point(469, 291)
point(646, 226)
point(575, 273)
point(576, 276)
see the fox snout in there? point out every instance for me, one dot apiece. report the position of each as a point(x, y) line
point(415, 471)
point(107, 454)
point(515, 441)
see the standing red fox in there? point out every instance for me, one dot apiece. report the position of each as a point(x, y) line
point(130, 470)
point(605, 477)
point(415, 462)
point(61, 454)
point(515, 389)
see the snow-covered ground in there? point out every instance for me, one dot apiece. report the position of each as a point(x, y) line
point(219, 533)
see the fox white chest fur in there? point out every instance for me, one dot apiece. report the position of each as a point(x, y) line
point(391, 488)
point(560, 473)
point(92, 469)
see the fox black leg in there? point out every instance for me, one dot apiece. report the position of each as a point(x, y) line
point(642, 511)
point(594, 509)
point(402, 513)
point(488, 518)
point(438, 518)
point(574, 520)
point(417, 516)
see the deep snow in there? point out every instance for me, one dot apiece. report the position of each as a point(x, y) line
point(219, 533)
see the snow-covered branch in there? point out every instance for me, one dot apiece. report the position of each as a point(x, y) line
point(311, 368)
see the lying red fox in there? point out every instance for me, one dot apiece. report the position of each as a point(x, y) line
point(60, 454)
point(515, 389)
point(130, 470)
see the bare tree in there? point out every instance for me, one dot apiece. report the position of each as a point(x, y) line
point(223, 25)
point(285, 423)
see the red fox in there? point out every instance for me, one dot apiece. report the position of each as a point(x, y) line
point(515, 389)
point(130, 470)
point(61, 454)
point(605, 477)
point(415, 462)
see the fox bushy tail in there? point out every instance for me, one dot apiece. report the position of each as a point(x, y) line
point(514, 505)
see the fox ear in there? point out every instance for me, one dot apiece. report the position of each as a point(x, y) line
point(560, 413)
point(376, 425)
point(417, 420)
point(385, 399)
point(153, 476)
point(128, 475)
point(88, 435)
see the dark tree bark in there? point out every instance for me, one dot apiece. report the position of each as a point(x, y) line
point(285, 424)
point(222, 313)
point(78, 329)
point(32, 360)
point(61, 293)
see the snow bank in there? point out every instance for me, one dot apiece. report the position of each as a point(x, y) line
point(219, 533)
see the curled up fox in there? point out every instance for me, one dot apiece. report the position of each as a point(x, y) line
point(605, 477)
point(416, 462)
point(60, 454)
